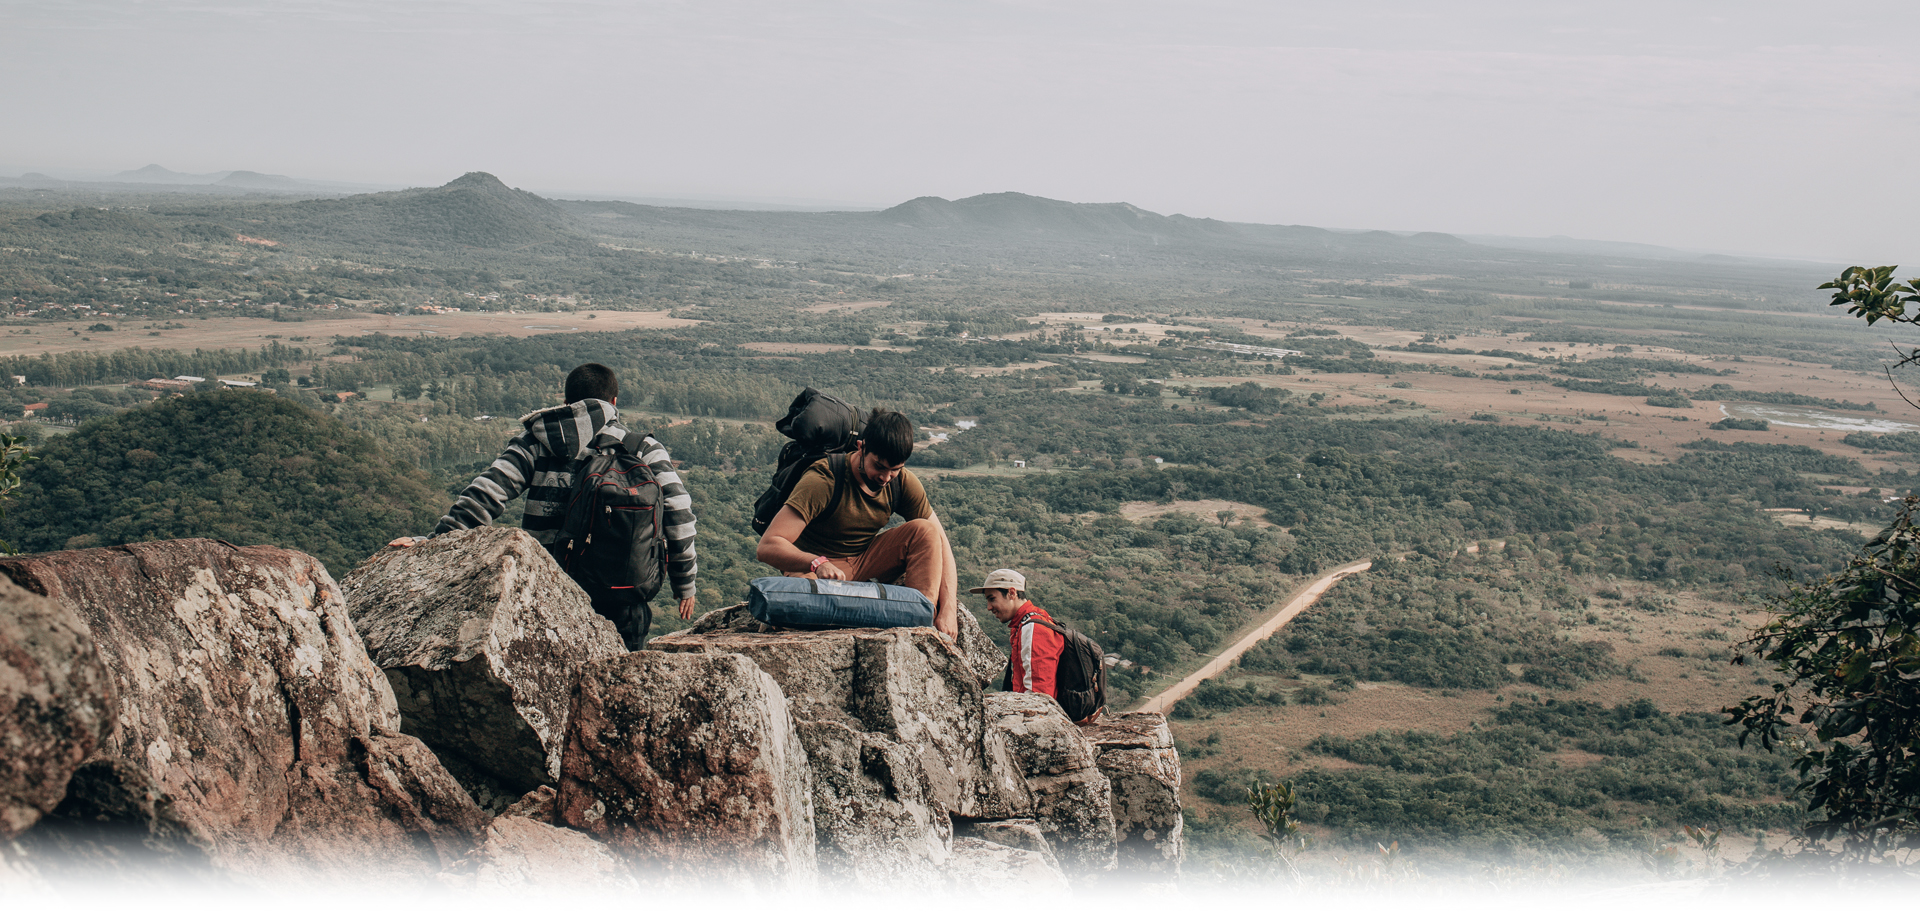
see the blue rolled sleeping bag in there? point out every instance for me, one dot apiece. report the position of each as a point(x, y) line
point(820, 603)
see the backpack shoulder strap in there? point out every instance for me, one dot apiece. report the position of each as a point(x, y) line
point(837, 468)
point(635, 442)
point(1032, 618)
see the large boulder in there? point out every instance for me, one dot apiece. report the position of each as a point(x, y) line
point(689, 766)
point(480, 633)
point(874, 817)
point(987, 658)
point(247, 699)
point(911, 685)
point(1019, 833)
point(115, 823)
point(1071, 798)
point(1135, 751)
point(521, 854)
point(982, 866)
point(56, 704)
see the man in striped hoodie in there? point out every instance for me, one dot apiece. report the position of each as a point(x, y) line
point(542, 460)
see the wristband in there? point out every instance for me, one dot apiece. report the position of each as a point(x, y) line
point(818, 561)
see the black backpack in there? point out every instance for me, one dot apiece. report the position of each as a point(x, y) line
point(1080, 683)
point(611, 537)
point(820, 426)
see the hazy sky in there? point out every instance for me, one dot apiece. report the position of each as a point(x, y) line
point(1787, 128)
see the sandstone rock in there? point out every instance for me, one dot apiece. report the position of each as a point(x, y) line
point(1039, 738)
point(689, 765)
point(732, 619)
point(987, 659)
point(984, 867)
point(522, 854)
point(1130, 730)
point(1071, 798)
point(1137, 755)
point(246, 696)
point(908, 684)
point(874, 817)
point(539, 805)
point(912, 685)
point(1146, 811)
point(480, 632)
point(56, 704)
point(813, 669)
point(1019, 833)
point(113, 823)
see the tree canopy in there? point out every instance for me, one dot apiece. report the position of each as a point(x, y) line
point(245, 467)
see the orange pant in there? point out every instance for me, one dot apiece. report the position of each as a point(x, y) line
point(913, 555)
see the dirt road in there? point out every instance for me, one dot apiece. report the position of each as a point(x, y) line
point(1290, 608)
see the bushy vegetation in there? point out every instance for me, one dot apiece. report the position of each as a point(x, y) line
point(1423, 622)
point(1500, 786)
point(229, 465)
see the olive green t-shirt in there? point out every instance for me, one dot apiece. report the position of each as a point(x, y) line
point(860, 516)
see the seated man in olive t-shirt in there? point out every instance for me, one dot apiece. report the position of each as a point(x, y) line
point(807, 538)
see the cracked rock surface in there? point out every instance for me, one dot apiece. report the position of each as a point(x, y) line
point(247, 699)
point(479, 633)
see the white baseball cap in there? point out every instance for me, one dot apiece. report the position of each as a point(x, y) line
point(1002, 578)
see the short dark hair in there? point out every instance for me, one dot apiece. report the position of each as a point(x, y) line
point(888, 435)
point(592, 381)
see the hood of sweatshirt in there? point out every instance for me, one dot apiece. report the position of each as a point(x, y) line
point(570, 430)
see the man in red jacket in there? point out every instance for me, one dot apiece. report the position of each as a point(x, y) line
point(1036, 649)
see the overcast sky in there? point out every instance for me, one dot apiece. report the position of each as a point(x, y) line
point(1784, 128)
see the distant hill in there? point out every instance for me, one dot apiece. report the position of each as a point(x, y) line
point(475, 210)
point(1019, 213)
point(155, 174)
point(229, 465)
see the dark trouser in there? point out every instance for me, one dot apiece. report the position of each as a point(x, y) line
point(628, 611)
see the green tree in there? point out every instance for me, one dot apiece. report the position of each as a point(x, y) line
point(1847, 650)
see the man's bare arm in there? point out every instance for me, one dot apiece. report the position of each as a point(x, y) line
point(776, 547)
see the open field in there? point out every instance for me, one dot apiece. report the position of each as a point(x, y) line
point(314, 327)
point(1659, 432)
point(851, 307)
point(1205, 509)
point(1678, 659)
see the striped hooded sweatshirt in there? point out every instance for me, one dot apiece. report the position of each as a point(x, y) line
point(541, 461)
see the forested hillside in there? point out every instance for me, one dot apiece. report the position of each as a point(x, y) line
point(242, 467)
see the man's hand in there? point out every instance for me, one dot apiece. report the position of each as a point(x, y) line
point(404, 542)
point(686, 608)
point(830, 571)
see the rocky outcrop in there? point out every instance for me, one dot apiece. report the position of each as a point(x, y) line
point(907, 684)
point(875, 820)
point(255, 737)
point(1071, 798)
point(521, 854)
point(114, 822)
point(1019, 833)
point(246, 698)
point(479, 633)
point(986, 659)
point(689, 765)
point(983, 867)
point(1135, 751)
point(56, 704)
